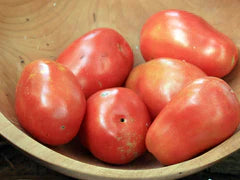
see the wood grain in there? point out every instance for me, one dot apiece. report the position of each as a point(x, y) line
point(33, 29)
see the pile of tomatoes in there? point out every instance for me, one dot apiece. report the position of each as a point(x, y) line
point(174, 105)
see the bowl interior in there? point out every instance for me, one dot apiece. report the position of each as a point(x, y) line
point(31, 30)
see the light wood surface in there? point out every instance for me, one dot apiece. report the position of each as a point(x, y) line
point(33, 29)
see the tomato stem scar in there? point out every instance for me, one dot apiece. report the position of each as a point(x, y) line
point(119, 47)
point(123, 120)
point(233, 61)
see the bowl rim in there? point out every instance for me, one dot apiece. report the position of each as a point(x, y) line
point(77, 169)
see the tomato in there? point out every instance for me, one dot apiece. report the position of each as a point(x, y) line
point(158, 81)
point(182, 35)
point(100, 59)
point(49, 102)
point(115, 125)
point(200, 116)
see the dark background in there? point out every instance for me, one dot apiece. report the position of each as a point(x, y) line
point(16, 166)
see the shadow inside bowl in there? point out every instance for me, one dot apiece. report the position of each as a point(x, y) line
point(76, 151)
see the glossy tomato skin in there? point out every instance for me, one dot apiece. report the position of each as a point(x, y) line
point(115, 125)
point(158, 81)
point(49, 102)
point(100, 59)
point(182, 35)
point(202, 115)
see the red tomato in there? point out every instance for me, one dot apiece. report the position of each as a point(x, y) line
point(182, 35)
point(50, 104)
point(115, 125)
point(100, 59)
point(156, 82)
point(200, 116)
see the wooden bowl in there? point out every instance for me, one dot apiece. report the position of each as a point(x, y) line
point(32, 29)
